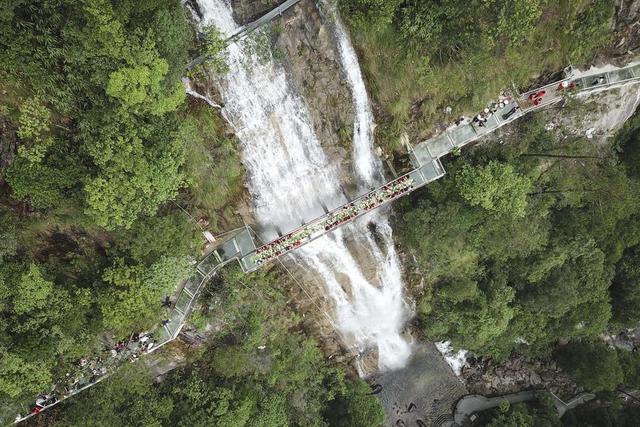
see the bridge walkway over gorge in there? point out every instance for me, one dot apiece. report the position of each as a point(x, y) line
point(425, 157)
point(250, 27)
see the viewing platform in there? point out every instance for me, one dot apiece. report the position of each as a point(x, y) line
point(456, 137)
point(346, 213)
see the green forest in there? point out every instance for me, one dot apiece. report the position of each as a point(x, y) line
point(258, 369)
point(101, 156)
point(531, 241)
point(106, 167)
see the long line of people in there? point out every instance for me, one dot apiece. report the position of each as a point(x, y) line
point(368, 202)
point(346, 213)
point(89, 370)
point(284, 243)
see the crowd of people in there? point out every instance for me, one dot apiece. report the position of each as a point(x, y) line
point(492, 108)
point(353, 209)
point(344, 214)
point(89, 370)
point(528, 100)
point(284, 244)
point(369, 201)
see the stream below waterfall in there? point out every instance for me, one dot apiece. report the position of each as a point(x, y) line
point(291, 181)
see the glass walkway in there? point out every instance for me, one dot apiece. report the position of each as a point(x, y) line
point(458, 136)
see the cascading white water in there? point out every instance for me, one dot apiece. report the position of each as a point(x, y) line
point(373, 313)
point(366, 164)
point(290, 179)
point(289, 173)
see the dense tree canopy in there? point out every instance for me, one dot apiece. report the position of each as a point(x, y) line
point(519, 253)
point(593, 365)
point(539, 412)
point(116, 97)
point(100, 152)
point(259, 369)
point(495, 187)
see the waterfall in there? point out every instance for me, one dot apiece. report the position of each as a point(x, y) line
point(369, 169)
point(367, 166)
point(291, 179)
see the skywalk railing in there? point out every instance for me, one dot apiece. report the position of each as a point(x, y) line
point(342, 215)
point(458, 136)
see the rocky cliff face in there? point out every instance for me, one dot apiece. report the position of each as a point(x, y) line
point(627, 13)
point(245, 11)
point(309, 53)
point(602, 114)
point(303, 41)
point(487, 377)
point(626, 29)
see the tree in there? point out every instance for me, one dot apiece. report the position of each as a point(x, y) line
point(471, 314)
point(140, 88)
point(374, 14)
point(625, 289)
point(517, 20)
point(356, 408)
point(132, 300)
point(135, 175)
point(46, 320)
point(20, 379)
point(8, 236)
point(129, 397)
point(41, 184)
point(34, 125)
point(539, 412)
point(518, 417)
point(438, 233)
point(214, 46)
point(169, 235)
point(495, 187)
point(592, 365)
point(630, 363)
point(33, 292)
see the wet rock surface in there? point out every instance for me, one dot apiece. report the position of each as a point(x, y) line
point(426, 390)
point(309, 53)
point(245, 11)
point(488, 377)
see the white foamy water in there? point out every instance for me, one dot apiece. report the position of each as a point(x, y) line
point(374, 312)
point(456, 359)
point(290, 178)
point(366, 164)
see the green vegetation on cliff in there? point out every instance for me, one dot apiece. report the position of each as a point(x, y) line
point(101, 158)
point(96, 140)
point(420, 56)
point(521, 250)
point(258, 369)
